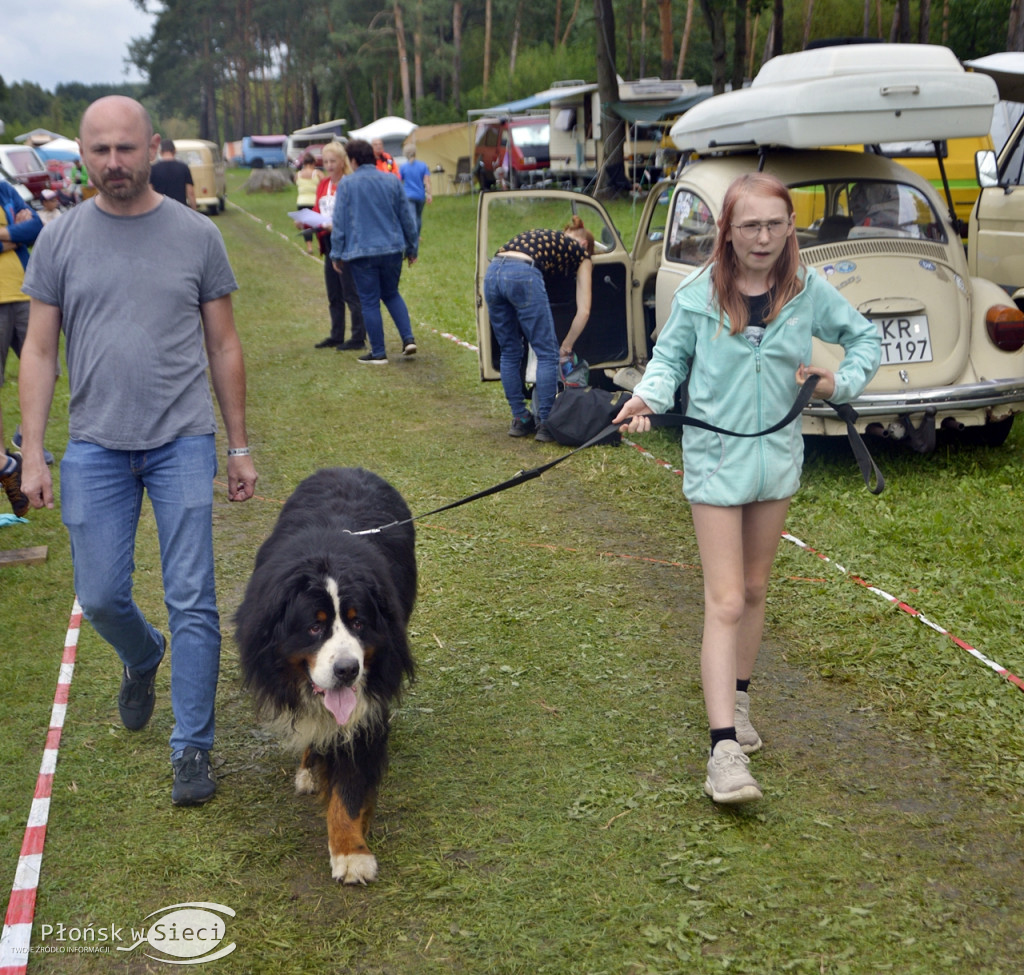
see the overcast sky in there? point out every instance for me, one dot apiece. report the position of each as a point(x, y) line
point(57, 41)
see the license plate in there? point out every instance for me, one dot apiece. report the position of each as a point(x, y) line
point(905, 338)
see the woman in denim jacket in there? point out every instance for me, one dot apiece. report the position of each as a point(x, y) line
point(374, 230)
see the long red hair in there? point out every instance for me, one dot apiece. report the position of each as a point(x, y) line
point(725, 267)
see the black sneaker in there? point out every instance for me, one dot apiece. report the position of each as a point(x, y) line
point(543, 435)
point(16, 444)
point(327, 343)
point(351, 345)
point(409, 348)
point(373, 360)
point(11, 482)
point(520, 428)
point(194, 783)
point(137, 697)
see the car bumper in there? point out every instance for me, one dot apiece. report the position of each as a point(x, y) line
point(988, 395)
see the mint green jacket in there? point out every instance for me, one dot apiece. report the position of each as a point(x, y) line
point(737, 386)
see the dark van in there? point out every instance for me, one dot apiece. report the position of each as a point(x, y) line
point(511, 152)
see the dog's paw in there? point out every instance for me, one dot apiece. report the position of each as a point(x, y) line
point(305, 782)
point(357, 868)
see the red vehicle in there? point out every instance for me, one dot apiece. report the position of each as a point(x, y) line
point(22, 163)
point(511, 152)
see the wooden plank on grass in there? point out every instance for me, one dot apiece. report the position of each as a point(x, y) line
point(23, 556)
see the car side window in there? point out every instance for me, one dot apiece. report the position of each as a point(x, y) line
point(691, 235)
point(1011, 174)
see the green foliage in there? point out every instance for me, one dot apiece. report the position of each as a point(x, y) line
point(230, 69)
point(25, 106)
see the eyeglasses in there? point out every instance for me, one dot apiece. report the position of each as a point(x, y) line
point(752, 230)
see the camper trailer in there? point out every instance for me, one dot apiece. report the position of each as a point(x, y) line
point(313, 138)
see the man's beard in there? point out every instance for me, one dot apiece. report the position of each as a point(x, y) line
point(133, 186)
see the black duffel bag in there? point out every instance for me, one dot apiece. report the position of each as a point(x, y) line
point(582, 412)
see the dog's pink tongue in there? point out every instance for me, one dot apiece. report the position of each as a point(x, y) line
point(341, 702)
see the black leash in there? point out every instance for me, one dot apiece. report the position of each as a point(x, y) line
point(844, 410)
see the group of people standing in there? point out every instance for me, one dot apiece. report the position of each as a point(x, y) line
point(372, 223)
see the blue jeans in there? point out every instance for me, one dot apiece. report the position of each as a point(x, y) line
point(101, 498)
point(517, 303)
point(377, 280)
point(417, 212)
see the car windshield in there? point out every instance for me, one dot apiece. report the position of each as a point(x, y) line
point(825, 213)
point(534, 136)
point(851, 210)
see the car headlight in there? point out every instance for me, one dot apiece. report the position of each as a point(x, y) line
point(1005, 325)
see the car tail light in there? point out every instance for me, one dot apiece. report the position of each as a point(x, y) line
point(1005, 327)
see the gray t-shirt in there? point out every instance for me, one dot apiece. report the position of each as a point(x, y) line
point(129, 291)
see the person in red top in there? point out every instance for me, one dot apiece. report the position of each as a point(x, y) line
point(385, 161)
point(341, 289)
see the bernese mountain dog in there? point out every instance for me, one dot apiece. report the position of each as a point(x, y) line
point(322, 638)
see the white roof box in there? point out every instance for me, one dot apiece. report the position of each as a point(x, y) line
point(843, 95)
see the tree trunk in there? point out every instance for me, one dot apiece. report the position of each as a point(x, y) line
point(417, 56)
point(457, 55)
point(570, 22)
point(714, 14)
point(808, 18)
point(685, 43)
point(403, 61)
point(924, 26)
point(739, 41)
point(665, 27)
point(777, 19)
point(487, 44)
point(517, 29)
point(611, 177)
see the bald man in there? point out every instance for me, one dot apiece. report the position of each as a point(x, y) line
point(141, 288)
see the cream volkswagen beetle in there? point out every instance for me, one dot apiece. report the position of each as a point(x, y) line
point(952, 344)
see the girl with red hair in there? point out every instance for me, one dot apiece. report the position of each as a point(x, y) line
point(739, 334)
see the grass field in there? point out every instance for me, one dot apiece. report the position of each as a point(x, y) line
point(544, 812)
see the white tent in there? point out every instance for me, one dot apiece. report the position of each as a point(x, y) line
point(390, 127)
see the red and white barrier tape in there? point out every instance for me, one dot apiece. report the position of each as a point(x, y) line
point(911, 611)
point(902, 606)
point(21, 908)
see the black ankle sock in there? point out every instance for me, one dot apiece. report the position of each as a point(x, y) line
point(743, 685)
point(722, 734)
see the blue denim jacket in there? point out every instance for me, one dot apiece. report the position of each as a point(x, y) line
point(23, 233)
point(372, 217)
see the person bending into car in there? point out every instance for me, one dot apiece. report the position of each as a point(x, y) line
point(516, 287)
point(740, 331)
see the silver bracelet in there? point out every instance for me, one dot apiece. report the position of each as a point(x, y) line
point(238, 451)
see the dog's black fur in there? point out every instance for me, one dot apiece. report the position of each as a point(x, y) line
point(324, 620)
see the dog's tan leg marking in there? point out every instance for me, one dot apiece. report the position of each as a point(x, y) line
point(351, 859)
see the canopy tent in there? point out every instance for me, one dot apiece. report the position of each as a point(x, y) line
point(37, 137)
point(61, 148)
point(441, 147)
point(388, 127)
point(643, 113)
point(538, 100)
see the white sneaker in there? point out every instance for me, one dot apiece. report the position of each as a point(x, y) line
point(729, 782)
point(746, 734)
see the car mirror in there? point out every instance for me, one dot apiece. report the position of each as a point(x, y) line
point(986, 168)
